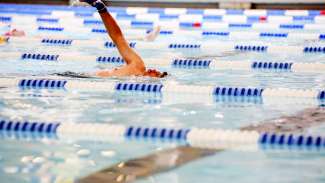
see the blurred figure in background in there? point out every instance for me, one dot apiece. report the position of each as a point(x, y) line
point(15, 33)
point(12, 33)
point(150, 36)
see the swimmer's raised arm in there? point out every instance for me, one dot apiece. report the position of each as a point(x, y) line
point(115, 33)
point(135, 65)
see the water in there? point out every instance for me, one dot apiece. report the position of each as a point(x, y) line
point(249, 167)
point(27, 159)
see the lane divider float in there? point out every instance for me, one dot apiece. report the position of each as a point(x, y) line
point(164, 88)
point(173, 25)
point(90, 18)
point(224, 46)
point(196, 137)
point(180, 63)
point(13, 8)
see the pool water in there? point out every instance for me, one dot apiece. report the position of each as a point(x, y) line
point(32, 159)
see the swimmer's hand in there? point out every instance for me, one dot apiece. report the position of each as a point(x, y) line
point(98, 4)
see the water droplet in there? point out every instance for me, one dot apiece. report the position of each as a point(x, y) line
point(11, 169)
point(83, 153)
point(39, 160)
point(218, 115)
point(108, 153)
point(26, 159)
point(192, 112)
point(76, 145)
point(157, 107)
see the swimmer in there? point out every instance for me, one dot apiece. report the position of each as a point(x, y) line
point(12, 33)
point(149, 37)
point(134, 63)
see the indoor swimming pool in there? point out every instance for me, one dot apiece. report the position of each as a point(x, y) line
point(228, 69)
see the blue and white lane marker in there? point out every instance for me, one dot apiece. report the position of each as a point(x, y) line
point(207, 138)
point(224, 46)
point(237, 35)
point(88, 19)
point(249, 65)
point(165, 88)
point(179, 11)
point(174, 25)
point(136, 10)
point(176, 63)
point(11, 8)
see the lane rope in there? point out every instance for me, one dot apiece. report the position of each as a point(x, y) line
point(196, 137)
point(164, 88)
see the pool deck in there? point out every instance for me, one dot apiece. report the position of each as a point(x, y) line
point(170, 159)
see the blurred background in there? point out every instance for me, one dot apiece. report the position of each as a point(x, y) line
point(234, 4)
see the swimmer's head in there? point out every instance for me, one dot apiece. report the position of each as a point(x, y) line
point(154, 73)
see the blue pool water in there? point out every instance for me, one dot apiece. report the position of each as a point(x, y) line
point(27, 159)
